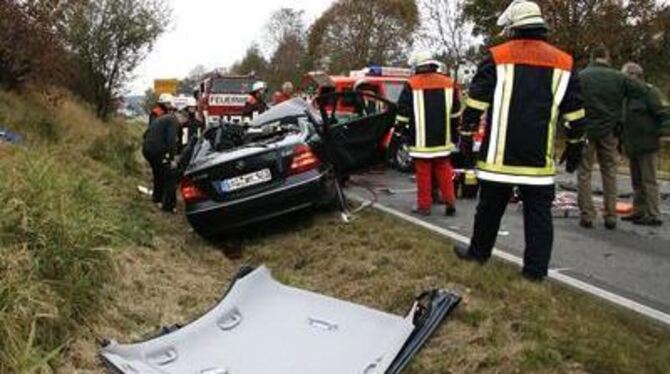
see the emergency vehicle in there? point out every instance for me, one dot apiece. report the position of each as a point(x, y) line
point(223, 97)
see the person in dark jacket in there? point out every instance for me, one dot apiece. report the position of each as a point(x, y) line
point(163, 106)
point(605, 90)
point(646, 118)
point(428, 105)
point(160, 149)
point(525, 86)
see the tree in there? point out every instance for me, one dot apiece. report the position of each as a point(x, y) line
point(253, 62)
point(286, 34)
point(284, 24)
point(32, 46)
point(110, 38)
point(445, 30)
point(354, 33)
point(190, 83)
point(632, 30)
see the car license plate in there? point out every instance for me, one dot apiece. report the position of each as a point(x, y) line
point(247, 180)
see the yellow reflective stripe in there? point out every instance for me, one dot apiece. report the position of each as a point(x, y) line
point(563, 77)
point(444, 148)
point(504, 116)
point(517, 170)
point(448, 102)
point(495, 118)
point(422, 111)
point(417, 117)
point(476, 104)
point(402, 119)
point(577, 141)
point(575, 116)
point(552, 120)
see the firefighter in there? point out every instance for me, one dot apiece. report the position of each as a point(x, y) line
point(427, 106)
point(285, 94)
point(160, 149)
point(646, 119)
point(525, 86)
point(256, 104)
point(163, 106)
point(193, 127)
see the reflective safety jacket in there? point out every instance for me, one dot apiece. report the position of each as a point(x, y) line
point(526, 86)
point(429, 105)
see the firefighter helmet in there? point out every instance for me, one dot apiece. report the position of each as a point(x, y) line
point(423, 58)
point(259, 86)
point(165, 99)
point(522, 14)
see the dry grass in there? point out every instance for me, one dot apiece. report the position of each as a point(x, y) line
point(504, 325)
point(155, 272)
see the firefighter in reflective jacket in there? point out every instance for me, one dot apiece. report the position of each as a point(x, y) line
point(428, 105)
point(526, 87)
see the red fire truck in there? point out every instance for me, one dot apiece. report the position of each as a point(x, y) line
point(222, 98)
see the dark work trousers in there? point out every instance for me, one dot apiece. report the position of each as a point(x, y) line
point(164, 189)
point(537, 219)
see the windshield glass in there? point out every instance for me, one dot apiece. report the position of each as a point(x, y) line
point(231, 86)
point(393, 91)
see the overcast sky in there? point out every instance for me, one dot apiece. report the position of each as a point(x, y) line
point(214, 33)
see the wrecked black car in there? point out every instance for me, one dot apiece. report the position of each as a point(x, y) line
point(290, 158)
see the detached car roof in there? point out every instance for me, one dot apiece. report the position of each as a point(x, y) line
point(263, 326)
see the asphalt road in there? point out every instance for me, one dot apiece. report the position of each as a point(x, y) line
point(631, 262)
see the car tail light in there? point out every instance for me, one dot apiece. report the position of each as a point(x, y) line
point(191, 193)
point(304, 159)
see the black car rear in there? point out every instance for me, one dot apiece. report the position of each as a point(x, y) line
point(289, 158)
point(272, 171)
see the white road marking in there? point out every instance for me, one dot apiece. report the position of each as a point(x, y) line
point(554, 274)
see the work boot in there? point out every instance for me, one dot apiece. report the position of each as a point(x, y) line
point(584, 223)
point(648, 221)
point(531, 277)
point(464, 254)
point(632, 217)
point(424, 212)
point(450, 210)
point(610, 223)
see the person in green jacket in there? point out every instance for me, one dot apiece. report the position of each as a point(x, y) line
point(646, 118)
point(604, 90)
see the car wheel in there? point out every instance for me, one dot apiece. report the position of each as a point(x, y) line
point(400, 157)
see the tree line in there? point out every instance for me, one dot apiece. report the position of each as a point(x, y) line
point(352, 34)
point(88, 46)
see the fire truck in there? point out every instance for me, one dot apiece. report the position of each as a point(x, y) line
point(223, 97)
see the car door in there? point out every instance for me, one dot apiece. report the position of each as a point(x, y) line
point(352, 141)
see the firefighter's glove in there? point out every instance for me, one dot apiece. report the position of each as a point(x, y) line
point(572, 156)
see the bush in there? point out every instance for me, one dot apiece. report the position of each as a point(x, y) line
point(117, 149)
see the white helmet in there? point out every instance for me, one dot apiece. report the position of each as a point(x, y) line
point(166, 98)
point(423, 58)
point(259, 86)
point(522, 14)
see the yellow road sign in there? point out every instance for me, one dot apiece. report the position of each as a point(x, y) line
point(162, 86)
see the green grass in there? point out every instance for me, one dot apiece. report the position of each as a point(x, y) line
point(61, 217)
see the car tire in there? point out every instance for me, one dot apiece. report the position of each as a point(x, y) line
point(398, 155)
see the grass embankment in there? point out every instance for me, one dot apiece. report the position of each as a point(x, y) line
point(64, 210)
point(140, 269)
